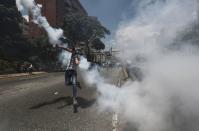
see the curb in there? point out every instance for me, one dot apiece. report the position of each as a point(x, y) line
point(19, 75)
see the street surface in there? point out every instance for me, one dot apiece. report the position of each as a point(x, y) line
point(43, 103)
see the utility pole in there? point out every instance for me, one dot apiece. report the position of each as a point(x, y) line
point(197, 13)
point(197, 9)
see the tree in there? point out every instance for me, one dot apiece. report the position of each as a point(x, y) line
point(82, 28)
point(10, 19)
point(98, 44)
point(44, 55)
point(14, 47)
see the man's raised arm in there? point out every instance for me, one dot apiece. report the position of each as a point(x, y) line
point(64, 48)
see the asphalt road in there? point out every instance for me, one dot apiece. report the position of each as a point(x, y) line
point(43, 103)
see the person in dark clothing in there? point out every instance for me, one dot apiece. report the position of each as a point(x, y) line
point(71, 71)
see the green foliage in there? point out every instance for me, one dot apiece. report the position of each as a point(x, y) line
point(80, 28)
point(4, 65)
point(12, 41)
point(44, 53)
point(8, 3)
point(9, 22)
point(16, 49)
point(98, 44)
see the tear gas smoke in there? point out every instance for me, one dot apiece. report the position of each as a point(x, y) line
point(84, 63)
point(64, 57)
point(167, 97)
point(30, 6)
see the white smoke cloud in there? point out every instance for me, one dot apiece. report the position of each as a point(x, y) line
point(26, 6)
point(65, 57)
point(167, 97)
point(164, 99)
point(84, 63)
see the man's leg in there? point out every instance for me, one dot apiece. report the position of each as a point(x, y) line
point(74, 83)
point(66, 77)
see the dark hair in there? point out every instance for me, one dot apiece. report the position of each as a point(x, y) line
point(73, 48)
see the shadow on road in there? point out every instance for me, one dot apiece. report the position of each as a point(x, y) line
point(83, 103)
point(57, 100)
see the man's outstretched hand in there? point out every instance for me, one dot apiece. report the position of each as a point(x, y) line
point(57, 46)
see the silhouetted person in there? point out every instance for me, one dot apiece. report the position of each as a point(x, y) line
point(71, 71)
point(30, 69)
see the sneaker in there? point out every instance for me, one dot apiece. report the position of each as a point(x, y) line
point(75, 101)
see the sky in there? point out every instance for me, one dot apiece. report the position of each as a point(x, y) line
point(109, 12)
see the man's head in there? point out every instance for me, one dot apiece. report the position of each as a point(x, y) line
point(73, 49)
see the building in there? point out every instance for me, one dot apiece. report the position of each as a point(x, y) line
point(54, 11)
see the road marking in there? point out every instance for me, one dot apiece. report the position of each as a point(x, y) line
point(115, 115)
point(115, 121)
point(56, 93)
point(18, 75)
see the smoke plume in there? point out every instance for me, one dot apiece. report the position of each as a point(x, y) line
point(167, 97)
point(30, 6)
